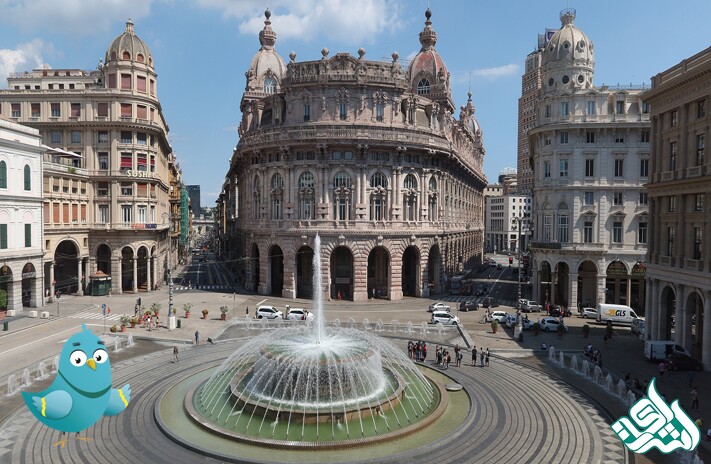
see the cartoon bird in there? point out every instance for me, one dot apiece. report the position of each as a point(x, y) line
point(81, 393)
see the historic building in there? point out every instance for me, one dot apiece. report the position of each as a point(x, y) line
point(106, 182)
point(590, 157)
point(679, 257)
point(20, 217)
point(364, 153)
point(502, 212)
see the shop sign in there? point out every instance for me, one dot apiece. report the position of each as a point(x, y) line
point(137, 226)
point(141, 174)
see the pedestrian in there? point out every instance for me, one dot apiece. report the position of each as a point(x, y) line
point(449, 359)
point(175, 354)
point(197, 337)
point(139, 302)
point(424, 351)
point(459, 359)
point(474, 356)
point(246, 311)
point(694, 398)
point(481, 357)
point(135, 311)
point(662, 369)
point(487, 357)
point(372, 293)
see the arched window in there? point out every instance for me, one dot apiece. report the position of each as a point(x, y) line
point(342, 179)
point(3, 174)
point(433, 184)
point(378, 196)
point(277, 181)
point(410, 182)
point(410, 198)
point(277, 195)
point(126, 56)
point(423, 87)
point(256, 198)
point(378, 180)
point(28, 179)
point(306, 195)
point(432, 209)
point(269, 85)
point(342, 196)
point(139, 58)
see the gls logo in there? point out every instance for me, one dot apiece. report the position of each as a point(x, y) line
point(653, 423)
point(619, 312)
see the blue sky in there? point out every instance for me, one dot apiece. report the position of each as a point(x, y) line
point(202, 49)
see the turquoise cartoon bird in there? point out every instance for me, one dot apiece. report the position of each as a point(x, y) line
point(81, 393)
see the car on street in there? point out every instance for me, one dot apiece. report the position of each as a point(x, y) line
point(439, 307)
point(444, 318)
point(500, 316)
point(528, 324)
point(556, 311)
point(299, 314)
point(683, 362)
point(469, 305)
point(589, 313)
point(268, 312)
point(550, 324)
point(489, 302)
point(638, 326)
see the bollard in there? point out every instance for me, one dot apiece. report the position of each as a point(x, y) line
point(5, 326)
point(178, 324)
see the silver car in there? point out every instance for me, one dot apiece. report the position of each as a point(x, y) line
point(445, 318)
point(638, 326)
point(589, 313)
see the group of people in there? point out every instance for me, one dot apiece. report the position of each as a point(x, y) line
point(593, 354)
point(483, 356)
point(417, 351)
point(443, 357)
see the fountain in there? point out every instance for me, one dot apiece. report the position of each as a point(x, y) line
point(12, 386)
point(117, 344)
point(585, 371)
point(394, 326)
point(551, 353)
point(608, 383)
point(574, 363)
point(26, 379)
point(561, 359)
point(597, 375)
point(423, 328)
point(631, 398)
point(324, 387)
point(336, 323)
point(129, 341)
point(366, 324)
point(409, 327)
point(621, 389)
point(379, 326)
point(41, 371)
point(55, 365)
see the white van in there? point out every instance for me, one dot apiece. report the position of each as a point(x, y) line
point(659, 349)
point(620, 314)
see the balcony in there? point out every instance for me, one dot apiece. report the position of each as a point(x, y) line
point(695, 171)
point(693, 265)
point(666, 260)
point(667, 176)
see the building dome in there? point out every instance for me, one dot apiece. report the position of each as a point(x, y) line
point(128, 46)
point(266, 63)
point(427, 72)
point(468, 119)
point(568, 60)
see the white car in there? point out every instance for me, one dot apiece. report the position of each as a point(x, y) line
point(531, 306)
point(298, 314)
point(438, 307)
point(528, 324)
point(268, 312)
point(638, 326)
point(550, 324)
point(443, 317)
point(589, 313)
point(500, 316)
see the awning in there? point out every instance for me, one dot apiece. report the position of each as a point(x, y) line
point(60, 152)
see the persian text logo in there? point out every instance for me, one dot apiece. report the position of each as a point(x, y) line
point(654, 423)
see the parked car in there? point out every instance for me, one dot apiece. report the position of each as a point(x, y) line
point(638, 326)
point(589, 313)
point(438, 307)
point(499, 316)
point(682, 362)
point(533, 306)
point(469, 306)
point(510, 320)
point(489, 302)
point(550, 324)
point(528, 324)
point(556, 311)
point(298, 314)
point(445, 318)
point(268, 312)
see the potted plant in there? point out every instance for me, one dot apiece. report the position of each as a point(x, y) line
point(223, 310)
point(586, 330)
point(187, 307)
point(155, 307)
point(561, 330)
point(536, 328)
point(204, 313)
point(113, 328)
point(494, 326)
point(133, 322)
point(125, 320)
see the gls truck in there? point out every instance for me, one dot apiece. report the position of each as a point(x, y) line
point(620, 314)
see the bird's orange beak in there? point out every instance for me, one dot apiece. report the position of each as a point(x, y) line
point(91, 363)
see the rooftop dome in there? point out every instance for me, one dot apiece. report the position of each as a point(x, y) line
point(266, 62)
point(428, 65)
point(569, 55)
point(128, 46)
point(468, 119)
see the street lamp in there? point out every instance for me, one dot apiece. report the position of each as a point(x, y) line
point(171, 315)
point(519, 222)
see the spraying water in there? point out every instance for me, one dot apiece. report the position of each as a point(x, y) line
point(318, 290)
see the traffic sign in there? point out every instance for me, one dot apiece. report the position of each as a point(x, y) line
point(103, 306)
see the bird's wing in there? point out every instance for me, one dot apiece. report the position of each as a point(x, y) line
point(118, 401)
point(55, 405)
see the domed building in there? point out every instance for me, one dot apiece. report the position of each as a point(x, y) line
point(590, 157)
point(365, 154)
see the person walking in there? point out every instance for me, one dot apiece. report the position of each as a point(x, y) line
point(694, 399)
point(473, 355)
point(486, 358)
point(246, 311)
point(662, 369)
point(481, 357)
point(197, 337)
point(175, 354)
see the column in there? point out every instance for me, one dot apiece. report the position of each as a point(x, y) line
point(87, 273)
point(149, 281)
point(651, 312)
point(706, 342)
point(679, 317)
point(573, 291)
point(37, 296)
point(14, 297)
point(51, 279)
point(628, 296)
point(600, 287)
point(80, 277)
point(135, 275)
point(116, 273)
point(154, 270)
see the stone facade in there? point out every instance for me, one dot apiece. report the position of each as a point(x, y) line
point(364, 153)
point(20, 217)
point(590, 155)
point(502, 225)
point(679, 257)
point(106, 178)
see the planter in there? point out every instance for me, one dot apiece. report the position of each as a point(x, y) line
point(123, 328)
point(223, 317)
point(133, 325)
point(187, 315)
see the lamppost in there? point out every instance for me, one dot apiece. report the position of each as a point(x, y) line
point(519, 222)
point(171, 315)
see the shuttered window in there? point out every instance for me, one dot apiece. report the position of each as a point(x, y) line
point(28, 235)
point(112, 81)
point(141, 112)
point(83, 213)
point(3, 236)
point(141, 83)
point(75, 212)
point(126, 81)
point(46, 213)
point(126, 110)
point(76, 110)
point(102, 110)
point(55, 213)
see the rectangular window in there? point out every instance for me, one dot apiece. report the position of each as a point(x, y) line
point(65, 212)
point(644, 136)
point(141, 112)
point(75, 210)
point(76, 137)
point(112, 81)
point(3, 236)
point(126, 162)
point(645, 107)
point(546, 169)
point(547, 141)
point(141, 83)
point(547, 227)
point(563, 228)
point(342, 209)
point(141, 216)
point(103, 214)
point(701, 109)
point(153, 87)
point(643, 198)
point(142, 162)
point(698, 239)
point(589, 198)
point(589, 167)
point(142, 190)
point(563, 168)
point(588, 232)
point(56, 137)
point(35, 110)
point(125, 81)
point(28, 235)
point(672, 205)
point(126, 137)
point(336, 155)
point(55, 112)
point(307, 112)
point(102, 110)
point(673, 119)
point(699, 202)
point(141, 138)
point(83, 213)
point(103, 137)
point(644, 167)
point(103, 158)
point(617, 232)
point(564, 137)
point(642, 233)
point(620, 107)
point(619, 137)
point(56, 217)
point(15, 108)
point(547, 112)
point(342, 111)
point(672, 156)
point(700, 149)
point(619, 167)
point(127, 214)
point(379, 112)
point(102, 189)
point(670, 241)
point(152, 218)
point(75, 111)
point(590, 137)
point(564, 108)
point(126, 188)
point(126, 110)
point(617, 198)
point(153, 163)
point(591, 107)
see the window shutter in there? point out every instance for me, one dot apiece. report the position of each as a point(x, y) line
point(3, 236)
point(28, 235)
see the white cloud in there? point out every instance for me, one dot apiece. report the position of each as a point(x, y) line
point(497, 72)
point(343, 20)
point(25, 57)
point(77, 18)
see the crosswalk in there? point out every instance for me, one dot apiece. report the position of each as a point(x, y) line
point(478, 299)
point(95, 314)
point(185, 288)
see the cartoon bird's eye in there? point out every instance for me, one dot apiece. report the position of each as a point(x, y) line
point(77, 358)
point(100, 356)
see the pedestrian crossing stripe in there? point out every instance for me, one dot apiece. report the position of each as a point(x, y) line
point(95, 315)
point(184, 288)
